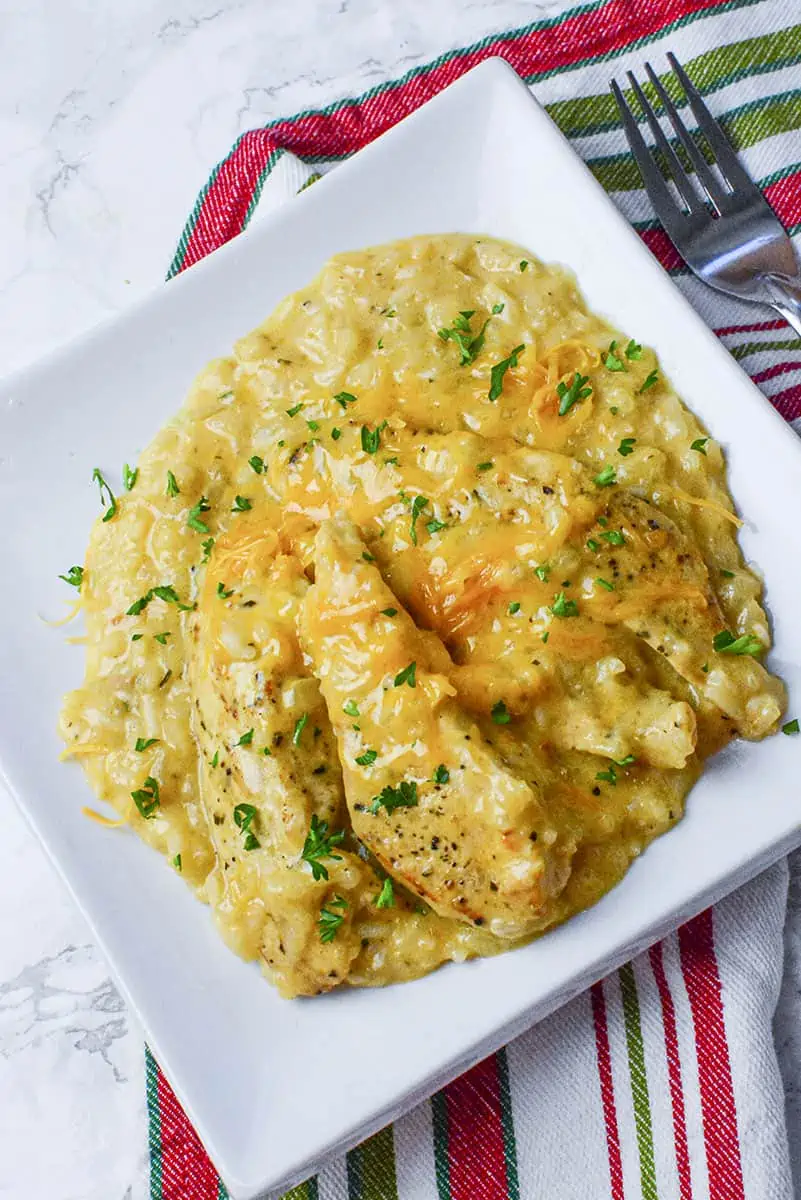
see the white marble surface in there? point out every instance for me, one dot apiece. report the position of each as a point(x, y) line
point(110, 119)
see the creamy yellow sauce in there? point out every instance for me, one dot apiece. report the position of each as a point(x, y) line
point(423, 639)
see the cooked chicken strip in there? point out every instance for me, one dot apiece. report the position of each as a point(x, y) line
point(663, 594)
point(263, 733)
point(429, 798)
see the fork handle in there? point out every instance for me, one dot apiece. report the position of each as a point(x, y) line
point(784, 294)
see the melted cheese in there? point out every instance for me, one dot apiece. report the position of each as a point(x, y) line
point(351, 501)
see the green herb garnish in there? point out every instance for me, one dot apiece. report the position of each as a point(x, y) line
point(441, 774)
point(129, 476)
point(513, 608)
point(351, 708)
point(562, 607)
point(336, 434)
point(418, 504)
point(611, 360)
point(329, 920)
point(725, 643)
point(368, 758)
point(144, 744)
point(626, 447)
point(319, 844)
point(74, 577)
point(613, 536)
point(106, 494)
point(568, 396)
point(606, 477)
point(193, 517)
point(485, 466)
point(407, 675)
point(390, 798)
point(222, 593)
point(246, 739)
point(241, 504)
point(791, 726)
point(386, 897)
point(343, 399)
point(147, 798)
point(371, 438)
point(499, 371)
point(609, 776)
point(700, 445)
point(649, 382)
point(294, 410)
point(500, 713)
point(257, 463)
point(172, 485)
point(389, 612)
point(300, 725)
point(470, 344)
point(610, 587)
point(634, 351)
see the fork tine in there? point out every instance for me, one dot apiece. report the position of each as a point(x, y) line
point(705, 176)
point(727, 160)
point(680, 177)
point(666, 207)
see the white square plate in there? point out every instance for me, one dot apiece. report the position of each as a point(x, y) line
point(273, 1086)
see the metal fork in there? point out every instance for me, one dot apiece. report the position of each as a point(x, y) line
point(721, 224)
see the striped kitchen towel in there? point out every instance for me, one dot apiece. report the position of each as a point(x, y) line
point(662, 1081)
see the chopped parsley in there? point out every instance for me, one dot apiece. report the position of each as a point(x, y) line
point(613, 536)
point(649, 382)
point(545, 637)
point(172, 485)
point(407, 675)
point(193, 518)
point(387, 612)
point(300, 725)
point(523, 264)
point(106, 494)
point(222, 593)
point(513, 608)
point(568, 396)
point(390, 798)
point(418, 504)
point(367, 556)
point(208, 546)
point(351, 708)
point(606, 477)
point(241, 504)
point(166, 592)
point(329, 920)
point(257, 463)
point(343, 399)
point(626, 761)
point(216, 758)
point(368, 758)
point(441, 774)
point(470, 344)
point(246, 739)
point(609, 776)
point(319, 844)
point(434, 526)
point(313, 425)
point(293, 412)
point(626, 446)
point(161, 637)
point(137, 637)
point(634, 351)
point(499, 371)
point(791, 726)
point(129, 477)
point(388, 312)
point(74, 577)
point(144, 744)
point(244, 816)
point(592, 544)
point(700, 445)
point(371, 438)
point(336, 434)
point(609, 587)
point(386, 897)
point(543, 573)
point(500, 713)
point(725, 643)
point(727, 574)
point(611, 360)
point(562, 607)
point(176, 862)
point(485, 466)
point(147, 798)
